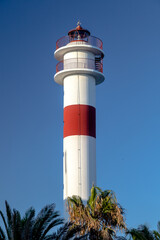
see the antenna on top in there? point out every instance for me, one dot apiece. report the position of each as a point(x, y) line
point(78, 23)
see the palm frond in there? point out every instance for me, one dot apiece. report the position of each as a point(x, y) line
point(72, 231)
point(29, 215)
point(66, 232)
point(2, 234)
point(6, 227)
point(16, 225)
point(9, 214)
point(75, 200)
point(141, 233)
point(54, 223)
point(44, 219)
point(27, 223)
point(61, 231)
point(156, 235)
point(158, 226)
point(91, 201)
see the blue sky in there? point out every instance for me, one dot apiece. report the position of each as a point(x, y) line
point(128, 102)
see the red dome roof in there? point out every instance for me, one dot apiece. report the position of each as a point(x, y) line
point(79, 31)
point(79, 27)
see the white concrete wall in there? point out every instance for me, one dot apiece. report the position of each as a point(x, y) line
point(79, 89)
point(79, 166)
point(79, 54)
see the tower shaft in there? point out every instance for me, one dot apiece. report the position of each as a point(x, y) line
point(79, 142)
point(79, 71)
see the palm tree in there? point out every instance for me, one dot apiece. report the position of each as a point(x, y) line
point(141, 233)
point(157, 233)
point(100, 218)
point(29, 227)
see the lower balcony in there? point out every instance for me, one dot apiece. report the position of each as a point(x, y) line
point(93, 67)
point(80, 63)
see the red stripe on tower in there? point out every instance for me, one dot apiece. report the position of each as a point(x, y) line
point(79, 120)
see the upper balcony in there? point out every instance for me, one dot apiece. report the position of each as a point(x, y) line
point(89, 40)
point(78, 39)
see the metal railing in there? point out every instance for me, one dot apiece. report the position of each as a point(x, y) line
point(91, 40)
point(74, 63)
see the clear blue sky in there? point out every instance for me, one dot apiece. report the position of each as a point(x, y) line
point(128, 102)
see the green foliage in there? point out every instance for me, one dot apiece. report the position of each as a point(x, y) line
point(100, 218)
point(68, 231)
point(29, 227)
point(157, 233)
point(143, 233)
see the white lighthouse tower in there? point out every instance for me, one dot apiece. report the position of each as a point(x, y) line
point(79, 70)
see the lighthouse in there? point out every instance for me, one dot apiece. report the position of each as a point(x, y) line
point(79, 70)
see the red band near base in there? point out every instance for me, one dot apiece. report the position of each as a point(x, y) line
point(79, 120)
